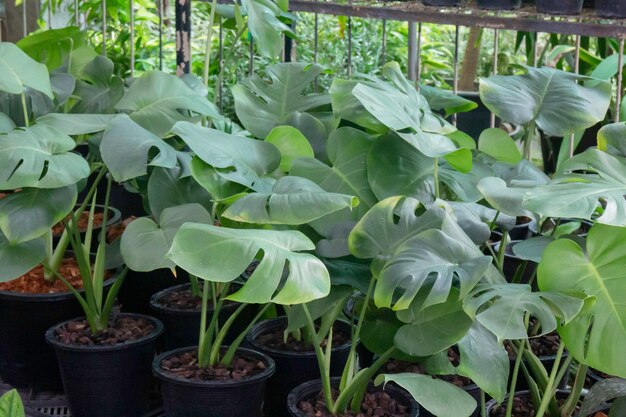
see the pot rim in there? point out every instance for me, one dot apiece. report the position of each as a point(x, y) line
point(173, 379)
point(158, 330)
point(277, 321)
point(115, 217)
point(156, 306)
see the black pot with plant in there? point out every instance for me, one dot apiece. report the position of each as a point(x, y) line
point(444, 3)
point(500, 4)
point(559, 6)
point(611, 8)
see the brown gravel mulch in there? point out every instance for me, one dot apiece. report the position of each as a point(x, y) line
point(121, 329)
point(33, 282)
point(275, 339)
point(377, 404)
point(83, 223)
point(185, 365)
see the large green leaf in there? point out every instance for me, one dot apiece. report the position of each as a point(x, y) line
point(208, 178)
point(11, 405)
point(76, 124)
point(99, 90)
point(440, 398)
point(19, 71)
point(220, 254)
point(585, 182)
point(262, 105)
point(126, 149)
point(41, 157)
point(597, 335)
point(501, 309)
point(31, 212)
point(292, 145)
point(157, 100)
point(558, 101)
point(234, 158)
point(266, 27)
point(168, 188)
point(395, 167)
point(292, 201)
point(433, 329)
point(145, 244)
point(498, 144)
point(429, 257)
point(17, 259)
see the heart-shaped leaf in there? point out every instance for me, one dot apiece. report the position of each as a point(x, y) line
point(156, 101)
point(594, 336)
point(145, 244)
point(293, 201)
point(19, 71)
point(283, 276)
point(292, 145)
point(41, 157)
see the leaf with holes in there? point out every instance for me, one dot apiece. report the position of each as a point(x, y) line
point(145, 243)
point(292, 201)
point(597, 335)
point(283, 276)
point(126, 149)
point(157, 100)
point(501, 308)
point(31, 212)
point(586, 182)
point(558, 101)
point(19, 72)
point(99, 90)
point(39, 157)
point(235, 158)
point(263, 105)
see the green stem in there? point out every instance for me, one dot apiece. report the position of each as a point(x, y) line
point(483, 405)
point(436, 175)
point(202, 345)
point(518, 362)
point(579, 382)
point(549, 391)
point(528, 139)
point(502, 250)
point(319, 353)
point(25, 110)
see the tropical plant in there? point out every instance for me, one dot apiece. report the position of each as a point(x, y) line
point(11, 404)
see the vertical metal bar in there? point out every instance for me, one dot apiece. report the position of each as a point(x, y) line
point(221, 55)
point(349, 46)
point(576, 70)
point(412, 49)
point(49, 14)
point(183, 37)
point(160, 5)
point(132, 38)
point(536, 50)
point(383, 57)
point(104, 27)
point(496, 52)
point(455, 87)
point(620, 78)
point(24, 20)
point(251, 56)
point(418, 63)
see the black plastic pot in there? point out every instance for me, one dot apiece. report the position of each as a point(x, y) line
point(521, 230)
point(310, 389)
point(292, 368)
point(492, 405)
point(549, 225)
point(445, 3)
point(107, 381)
point(512, 263)
point(559, 6)
point(183, 326)
point(138, 287)
point(500, 4)
point(26, 360)
point(113, 218)
point(476, 121)
point(184, 398)
point(611, 8)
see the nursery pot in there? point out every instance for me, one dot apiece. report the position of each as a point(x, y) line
point(492, 405)
point(611, 8)
point(447, 3)
point(182, 327)
point(138, 287)
point(310, 389)
point(500, 4)
point(114, 216)
point(292, 368)
point(559, 6)
point(107, 381)
point(26, 360)
point(187, 398)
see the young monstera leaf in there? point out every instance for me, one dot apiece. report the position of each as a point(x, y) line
point(262, 105)
point(145, 243)
point(595, 335)
point(501, 308)
point(283, 276)
point(586, 182)
point(293, 201)
point(558, 101)
point(40, 157)
point(156, 101)
point(19, 72)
